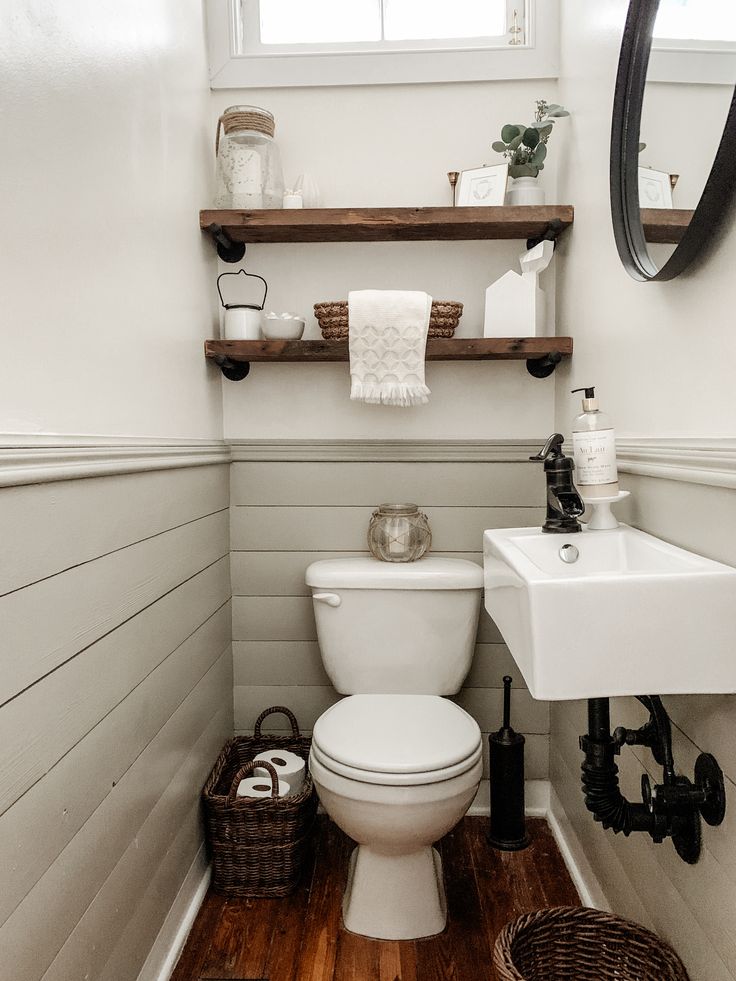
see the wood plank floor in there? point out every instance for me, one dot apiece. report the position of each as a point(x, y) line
point(300, 938)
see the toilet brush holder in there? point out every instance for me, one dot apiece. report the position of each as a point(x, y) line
point(506, 756)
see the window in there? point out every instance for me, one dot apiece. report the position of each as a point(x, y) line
point(696, 20)
point(379, 22)
point(694, 42)
point(353, 42)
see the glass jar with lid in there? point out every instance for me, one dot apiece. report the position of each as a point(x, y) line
point(398, 533)
point(249, 171)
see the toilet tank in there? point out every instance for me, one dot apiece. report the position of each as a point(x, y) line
point(393, 628)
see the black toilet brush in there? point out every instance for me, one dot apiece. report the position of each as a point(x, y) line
point(506, 756)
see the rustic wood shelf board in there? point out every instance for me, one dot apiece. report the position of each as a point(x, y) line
point(665, 226)
point(389, 224)
point(438, 349)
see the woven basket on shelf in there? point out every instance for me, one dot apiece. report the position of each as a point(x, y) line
point(572, 943)
point(333, 318)
point(258, 846)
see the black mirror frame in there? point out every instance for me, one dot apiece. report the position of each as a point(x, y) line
point(628, 101)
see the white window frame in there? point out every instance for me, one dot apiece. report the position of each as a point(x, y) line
point(692, 62)
point(410, 62)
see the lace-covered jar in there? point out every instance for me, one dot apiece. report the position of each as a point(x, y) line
point(249, 171)
point(398, 533)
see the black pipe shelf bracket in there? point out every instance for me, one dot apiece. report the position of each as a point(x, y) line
point(543, 367)
point(552, 232)
point(232, 370)
point(672, 809)
point(227, 249)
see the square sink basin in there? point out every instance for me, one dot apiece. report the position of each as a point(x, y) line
point(628, 615)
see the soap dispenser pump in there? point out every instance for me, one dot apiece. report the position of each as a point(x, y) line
point(594, 449)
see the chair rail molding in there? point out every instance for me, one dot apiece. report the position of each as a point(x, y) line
point(40, 458)
point(385, 451)
point(696, 460)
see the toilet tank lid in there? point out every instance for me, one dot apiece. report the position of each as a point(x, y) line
point(367, 573)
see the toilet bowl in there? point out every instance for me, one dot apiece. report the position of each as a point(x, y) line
point(396, 764)
point(396, 773)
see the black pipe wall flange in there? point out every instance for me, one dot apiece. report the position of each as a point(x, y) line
point(543, 367)
point(227, 249)
point(551, 233)
point(709, 779)
point(232, 370)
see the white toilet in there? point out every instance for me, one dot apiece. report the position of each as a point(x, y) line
point(396, 765)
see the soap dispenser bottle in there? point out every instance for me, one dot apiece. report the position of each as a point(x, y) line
point(594, 450)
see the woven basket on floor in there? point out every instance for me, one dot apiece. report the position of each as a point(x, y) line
point(258, 847)
point(333, 318)
point(571, 943)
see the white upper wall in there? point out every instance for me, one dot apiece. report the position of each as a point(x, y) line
point(668, 149)
point(390, 145)
point(106, 282)
point(661, 355)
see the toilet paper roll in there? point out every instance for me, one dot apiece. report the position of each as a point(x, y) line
point(258, 787)
point(288, 766)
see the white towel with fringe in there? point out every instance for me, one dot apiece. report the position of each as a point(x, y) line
point(388, 341)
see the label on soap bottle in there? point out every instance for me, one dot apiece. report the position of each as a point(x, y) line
point(595, 457)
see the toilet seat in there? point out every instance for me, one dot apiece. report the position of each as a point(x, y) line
point(397, 740)
point(396, 779)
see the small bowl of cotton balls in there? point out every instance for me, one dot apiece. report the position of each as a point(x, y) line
point(282, 326)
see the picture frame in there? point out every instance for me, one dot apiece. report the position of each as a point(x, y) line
point(482, 186)
point(655, 188)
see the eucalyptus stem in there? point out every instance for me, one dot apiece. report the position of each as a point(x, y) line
point(525, 147)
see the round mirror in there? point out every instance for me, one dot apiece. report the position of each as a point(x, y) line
point(673, 162)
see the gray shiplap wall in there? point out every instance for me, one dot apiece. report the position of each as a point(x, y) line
point(691, 906)
point(287, 514)
point(115, 697)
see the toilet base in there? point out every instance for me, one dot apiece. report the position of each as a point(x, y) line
point(395, 897)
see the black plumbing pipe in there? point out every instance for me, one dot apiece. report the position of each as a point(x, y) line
point(603, 798)
point(663, 751)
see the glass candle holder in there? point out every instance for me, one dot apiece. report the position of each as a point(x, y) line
point(248, 162)
point(398, 533)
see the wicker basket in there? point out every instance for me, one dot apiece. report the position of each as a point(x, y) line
point(571, 943)
point(333, 318)
point(258, 847)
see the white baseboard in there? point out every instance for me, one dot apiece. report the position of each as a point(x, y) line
point(481, 805)
point(172, 936)
point(580, 869)
point(536, 799)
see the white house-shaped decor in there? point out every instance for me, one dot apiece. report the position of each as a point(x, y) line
point(518, 299)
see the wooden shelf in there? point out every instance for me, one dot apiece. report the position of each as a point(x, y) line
point(389, 224)
point(231, 230)
point(438, 349)
point(542, 354)
point(665, 226)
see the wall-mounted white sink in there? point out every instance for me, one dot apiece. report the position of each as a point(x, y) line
point(631, 615)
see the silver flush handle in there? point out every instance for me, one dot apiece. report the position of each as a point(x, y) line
point(331, 599)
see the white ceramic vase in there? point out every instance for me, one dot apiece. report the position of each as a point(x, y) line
point(525, 190)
